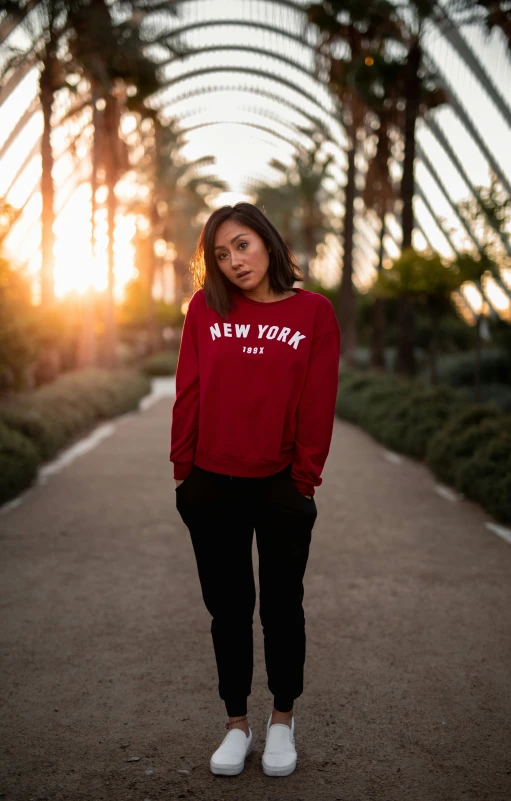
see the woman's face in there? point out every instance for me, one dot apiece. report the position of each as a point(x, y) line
point(238, 250)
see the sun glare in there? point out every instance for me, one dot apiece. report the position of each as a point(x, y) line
point(76, 269)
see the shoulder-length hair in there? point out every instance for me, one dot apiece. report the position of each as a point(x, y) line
point(219, 291)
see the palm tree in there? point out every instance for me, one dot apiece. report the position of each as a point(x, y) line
point(497, 15)
point(45, 24)
point(306, 176)
point(379, 89)
point(421, 91)
point(112, 58)
point(358, 29)
point(179, 194)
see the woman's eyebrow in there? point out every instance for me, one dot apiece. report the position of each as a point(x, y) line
point(218, 247)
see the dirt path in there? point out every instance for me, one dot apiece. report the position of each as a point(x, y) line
point(106, 651)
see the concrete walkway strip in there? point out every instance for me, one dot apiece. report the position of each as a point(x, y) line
point(447, 493)
point(500, 531)
point(67, 456)
point(392, 457)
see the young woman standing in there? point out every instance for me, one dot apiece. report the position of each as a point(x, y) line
point(256, 387)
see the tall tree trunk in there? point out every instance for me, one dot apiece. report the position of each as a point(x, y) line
point(378, 338)
point(346, 296)
point(87, 346)
point(406, 333)
point(47, 187)
point(152, 328)
point(111, 133)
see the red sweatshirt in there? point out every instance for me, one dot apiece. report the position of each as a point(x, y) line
point(257, 392)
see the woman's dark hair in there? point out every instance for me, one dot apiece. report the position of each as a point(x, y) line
point(219, 291)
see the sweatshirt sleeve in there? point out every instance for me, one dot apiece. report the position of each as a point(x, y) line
point(185, 412)
point(316, 411)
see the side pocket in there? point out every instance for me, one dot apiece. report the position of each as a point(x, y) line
point(297, 491)
point(187, 479)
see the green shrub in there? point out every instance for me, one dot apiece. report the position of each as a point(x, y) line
point(18, 463)
point(500, 394)
point(459, 370)
point(454, 443)
point(162, 363)
point(56, 413)
point(378, 401)
point(486, 477)
point(465, 444)
point(351, 384)
point(43, 431)
point(412, 421)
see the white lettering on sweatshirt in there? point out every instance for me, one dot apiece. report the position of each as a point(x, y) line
point(242, 331)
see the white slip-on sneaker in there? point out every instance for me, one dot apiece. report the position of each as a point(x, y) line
point(229, 757)
point(279, 757)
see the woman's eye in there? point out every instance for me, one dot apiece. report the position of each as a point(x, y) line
point(220, 255)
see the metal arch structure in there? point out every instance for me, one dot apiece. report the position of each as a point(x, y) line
point(273, 133)
point(431, 123)
point(429, 120)
point(433, 126)
point(311, 99)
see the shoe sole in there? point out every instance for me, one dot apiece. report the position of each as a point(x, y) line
point(228, 770)
point(276, 771)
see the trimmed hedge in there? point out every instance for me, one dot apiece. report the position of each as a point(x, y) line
point(486, 477)
point(439, 424)
point(36, 425)
point(458, 370)
point(161, 364)
point(455, 442)
point(19, 460)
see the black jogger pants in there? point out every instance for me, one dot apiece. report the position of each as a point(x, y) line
point(221, 513)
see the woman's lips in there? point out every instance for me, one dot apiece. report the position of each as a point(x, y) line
point(243, 275)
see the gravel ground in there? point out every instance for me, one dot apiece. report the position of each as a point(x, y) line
point(109, 686)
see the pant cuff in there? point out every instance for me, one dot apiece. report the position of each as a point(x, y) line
point(236, 708)
point(283, 703)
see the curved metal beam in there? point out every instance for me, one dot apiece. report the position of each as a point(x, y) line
point(419, 189)
point(461, 48)
point(264, 93)
point(231, 22)
point(259, 51)
point(444, 142)
point(250, 125)
point(455, 103)
point(467, 55)
point(457, 253)
point(252, 71)
point(166, 3)
point(240, 122)
point(16, 78)
point(23, 121)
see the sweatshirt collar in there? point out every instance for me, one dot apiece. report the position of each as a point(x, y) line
point(297, 291)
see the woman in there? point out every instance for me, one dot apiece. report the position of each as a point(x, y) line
point(256, 387)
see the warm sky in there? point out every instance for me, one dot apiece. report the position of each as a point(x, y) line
point(242, 152)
